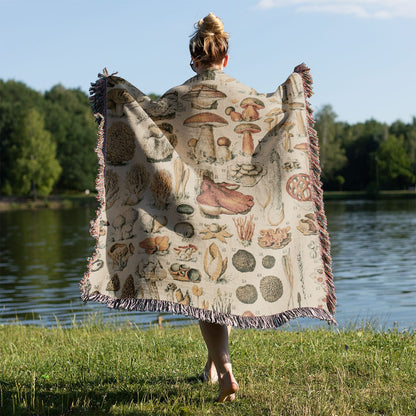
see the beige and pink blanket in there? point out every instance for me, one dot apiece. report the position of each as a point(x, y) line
point(210, 202)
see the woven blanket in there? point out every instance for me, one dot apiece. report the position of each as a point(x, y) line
point(210, 202)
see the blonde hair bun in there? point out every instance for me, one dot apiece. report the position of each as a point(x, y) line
point(211, 25)
point(209, 42)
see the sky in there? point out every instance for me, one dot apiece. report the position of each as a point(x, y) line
point(361, 53)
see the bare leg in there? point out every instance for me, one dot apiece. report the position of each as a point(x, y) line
point(209, 374)
point(216, 339)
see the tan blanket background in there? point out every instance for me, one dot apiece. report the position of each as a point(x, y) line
point(210, 202)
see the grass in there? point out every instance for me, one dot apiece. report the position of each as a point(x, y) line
point(104, 369)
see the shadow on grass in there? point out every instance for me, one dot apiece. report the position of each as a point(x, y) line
point(100, 396)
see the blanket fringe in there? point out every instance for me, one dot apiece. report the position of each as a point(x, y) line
point(98, 100)
point(304, 72)
point(255, 322)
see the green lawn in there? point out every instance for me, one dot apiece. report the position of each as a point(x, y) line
point(104, 369)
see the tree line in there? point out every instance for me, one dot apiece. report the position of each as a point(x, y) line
point(47, 143)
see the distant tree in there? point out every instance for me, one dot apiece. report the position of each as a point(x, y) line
point(71, 123)
point(35, 167)
point(394, 164)
point(361, 141)
point(153, 96)
point(332, 155)
point(16, 98)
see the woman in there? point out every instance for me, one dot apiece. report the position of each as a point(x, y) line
point(209, 51)
point(211, 203)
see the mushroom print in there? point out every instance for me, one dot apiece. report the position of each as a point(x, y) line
point(251, 105)
point(120, 143)
point(157, 147)
point(247, 129)
point(230, 111)
point(119, 253)
point(181, 298)
point(278, 238)
point(223, 149)
point(116, 98)
point(287, 267)
point(215, 231)
point(129, 291)
point(222, 198)
point(300, 187)
point(111, 187)
point(271, 288)
point(137, 179)
point(286, 126)
point(167, 130)
point(181, 178)
point(197, 291)
point(161, 188)
point(273, 118)
point(304, 148)
point(186, 253)
point(268, 262)
point(307, 225)
point(184, 273)
point(151, 271)
point(158, 245)
point(171, 287)
point(244, 261)
point(245, 229)
point(214, 264)
point(122, 225)
point(246, 173)
point(275, 212)
point(113, 284)
point(222, 303)
point(203, 97)
point(184, 229)
point(205, 146)
point(246, 294)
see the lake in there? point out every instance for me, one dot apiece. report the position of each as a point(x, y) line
point(43, 257)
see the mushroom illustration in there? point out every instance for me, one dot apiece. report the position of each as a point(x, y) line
point(205, 147)
point(223, 150)
point(251, 105)
point(119, 254)
point(120, 143)
point(304, 148)
point(214, 264)
point(137, 179)
point(269, 121)
point(111, 187)
point(287, 135)
point(116, 98)
point(274, 112)
point(151, 271)
point(247, 129)
point(203, 97)
point(157, 147)
point(230, 111)
point(161, 188)
point(171, 287)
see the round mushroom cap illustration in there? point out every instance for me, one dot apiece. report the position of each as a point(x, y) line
point(246, 294)
point(271, 288)
point(244, 261)
point(268, 262)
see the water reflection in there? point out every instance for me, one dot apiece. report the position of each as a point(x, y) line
point(43, 257)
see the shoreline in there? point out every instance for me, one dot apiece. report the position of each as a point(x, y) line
point(67, 201)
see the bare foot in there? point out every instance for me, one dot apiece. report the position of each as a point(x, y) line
point(228, 388)
point(209, 375)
